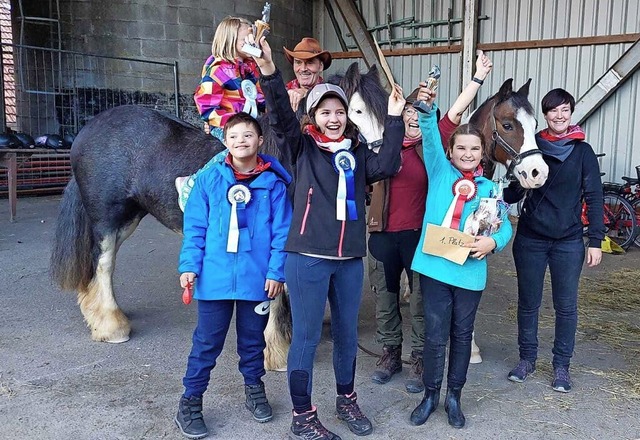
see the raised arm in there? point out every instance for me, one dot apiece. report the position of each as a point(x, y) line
point(483, 68)
point(281, 117)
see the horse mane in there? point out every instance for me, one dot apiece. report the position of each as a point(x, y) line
point(368, 85)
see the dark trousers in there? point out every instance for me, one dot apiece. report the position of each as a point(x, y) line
point(311, 281)
point(449, 313)
point(564, 259)
point(214, 318)
point(393, 253)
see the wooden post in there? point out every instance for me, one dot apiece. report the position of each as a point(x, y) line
point(362, 37)
point(469, 41)
point(10, 160)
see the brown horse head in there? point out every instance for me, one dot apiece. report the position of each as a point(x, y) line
point(508, 125)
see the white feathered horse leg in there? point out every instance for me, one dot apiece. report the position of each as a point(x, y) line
point(475, 351)
point(277, 334)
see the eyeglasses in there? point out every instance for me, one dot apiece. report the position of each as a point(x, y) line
point(410, 111)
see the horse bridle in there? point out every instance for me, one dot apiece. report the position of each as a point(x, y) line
point(516, 158)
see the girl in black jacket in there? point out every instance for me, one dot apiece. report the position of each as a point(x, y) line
point(326, 242)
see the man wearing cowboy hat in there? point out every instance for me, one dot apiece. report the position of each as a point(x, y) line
point(308, 60)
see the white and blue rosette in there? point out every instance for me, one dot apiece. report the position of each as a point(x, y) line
point(344, 162)
point(250, 92)
point(239, 196)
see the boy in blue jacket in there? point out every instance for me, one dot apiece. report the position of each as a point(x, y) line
point(236, 223)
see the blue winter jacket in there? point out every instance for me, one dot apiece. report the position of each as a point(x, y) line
point(260, 256)
point(471, 275)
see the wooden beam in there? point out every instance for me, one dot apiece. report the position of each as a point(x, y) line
point(361, 35)
point(560, 42)
point(402, 52)
point(511, 45)
point(622, 70)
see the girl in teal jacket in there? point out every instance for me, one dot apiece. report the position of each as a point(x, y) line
point(451, 292)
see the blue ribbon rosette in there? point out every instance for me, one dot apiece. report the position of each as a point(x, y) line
point(239, 196)
point(344, 162)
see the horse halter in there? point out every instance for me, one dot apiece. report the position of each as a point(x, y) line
point(516, 158)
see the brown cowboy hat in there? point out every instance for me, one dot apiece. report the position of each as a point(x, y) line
point(307, 49)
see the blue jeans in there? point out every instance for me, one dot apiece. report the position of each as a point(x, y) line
point(449, 313)
point(311, 281)
point(214, 318)
point(564, 259)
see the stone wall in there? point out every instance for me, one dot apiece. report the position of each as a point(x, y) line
point(168, 30)
point(76, 87)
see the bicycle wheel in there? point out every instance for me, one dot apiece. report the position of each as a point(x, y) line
point(636, 207)
point(619, 219)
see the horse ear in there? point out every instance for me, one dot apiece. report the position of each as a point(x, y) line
point(524, 90)
point(350, 79)
point(506, 89)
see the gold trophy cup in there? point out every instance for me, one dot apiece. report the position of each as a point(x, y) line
point(260, 29)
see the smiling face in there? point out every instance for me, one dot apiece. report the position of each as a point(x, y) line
point(410, 118)
point(307, 71)
point(558, 119)
point(331, 117)
point(242, 141)
point(466, 152)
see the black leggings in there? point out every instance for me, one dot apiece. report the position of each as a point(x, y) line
point(395, 250)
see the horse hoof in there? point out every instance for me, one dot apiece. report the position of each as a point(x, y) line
point(475, 358)
point(118, 340)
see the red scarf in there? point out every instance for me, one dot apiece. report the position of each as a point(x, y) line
point(239, 175)
point(574, 132)
point(294, 84)
point(410, 142)
point(323, 141)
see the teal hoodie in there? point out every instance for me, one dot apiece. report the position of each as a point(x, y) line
point(471, 275)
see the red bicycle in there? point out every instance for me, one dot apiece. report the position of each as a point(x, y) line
point(630, 191)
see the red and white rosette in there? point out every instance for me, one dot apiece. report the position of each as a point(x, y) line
point(463, 190)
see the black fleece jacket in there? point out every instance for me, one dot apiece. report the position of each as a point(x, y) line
point(314, 227)
point(553, 211)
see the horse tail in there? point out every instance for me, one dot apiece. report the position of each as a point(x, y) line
point(72, 264)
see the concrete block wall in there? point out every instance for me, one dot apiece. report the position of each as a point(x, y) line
point(168, 30)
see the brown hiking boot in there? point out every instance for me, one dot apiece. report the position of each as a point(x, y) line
point(389, 364)
point(414, 382)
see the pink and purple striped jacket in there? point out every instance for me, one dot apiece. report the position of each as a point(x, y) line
point(219, 95)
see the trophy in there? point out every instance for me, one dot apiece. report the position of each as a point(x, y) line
point(260, 29)
point(433, 81)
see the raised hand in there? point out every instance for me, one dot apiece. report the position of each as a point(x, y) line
point(483, 65)
point(396, 101)
point(264, 62)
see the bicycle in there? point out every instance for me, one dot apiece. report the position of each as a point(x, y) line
point(630, 191)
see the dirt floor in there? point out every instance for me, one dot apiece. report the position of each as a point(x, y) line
point(55, 383)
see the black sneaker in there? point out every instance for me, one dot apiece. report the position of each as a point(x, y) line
point(521, 371)
point(257, 403)
point(307, 426)
point(347, 409)
point(189, 418)
point(561, 380)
